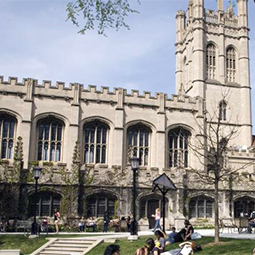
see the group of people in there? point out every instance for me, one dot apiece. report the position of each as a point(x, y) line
point(183, 235)
point(157, 246)
point(89, 223)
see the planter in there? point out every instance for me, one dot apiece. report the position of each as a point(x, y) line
point(143, 227)
point(143, 224)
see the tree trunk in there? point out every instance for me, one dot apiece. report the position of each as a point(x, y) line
point(216, 212)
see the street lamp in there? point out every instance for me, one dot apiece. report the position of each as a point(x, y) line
point(163, 183)
point(37, 171)
point(134, 166)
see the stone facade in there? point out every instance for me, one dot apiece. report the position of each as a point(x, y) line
point(83, 137)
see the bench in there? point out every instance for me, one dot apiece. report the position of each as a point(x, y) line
point(227, 223)
point(242, 223)
point(24, 225)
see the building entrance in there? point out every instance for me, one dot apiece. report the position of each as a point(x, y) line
point(152, 205)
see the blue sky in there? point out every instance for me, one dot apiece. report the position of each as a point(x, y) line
point(37, 42)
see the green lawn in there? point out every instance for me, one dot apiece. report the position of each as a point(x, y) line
point(21, 242)
point(25, 244)
point(229, 247)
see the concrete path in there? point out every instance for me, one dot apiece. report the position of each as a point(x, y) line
point(112, 235)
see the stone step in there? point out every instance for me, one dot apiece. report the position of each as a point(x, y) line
point(70, 245)
point(54, 253)
point(67, 246)
point(64, 249)
point(76, 241)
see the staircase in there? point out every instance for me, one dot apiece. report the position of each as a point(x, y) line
point(68, 246)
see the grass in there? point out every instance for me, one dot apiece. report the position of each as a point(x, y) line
point(21, 242)
point(27, 245)
point(226, 247)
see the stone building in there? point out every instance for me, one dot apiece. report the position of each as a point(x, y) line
point(83, 137)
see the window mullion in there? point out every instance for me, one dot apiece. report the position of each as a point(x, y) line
point(95, 145)
point(49, 143)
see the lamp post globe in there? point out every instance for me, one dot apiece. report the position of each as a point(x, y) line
point(134, 161)
point(36, 171)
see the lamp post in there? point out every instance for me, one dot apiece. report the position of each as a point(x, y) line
point(37, 171)
point(134, 166)
point(164, 184)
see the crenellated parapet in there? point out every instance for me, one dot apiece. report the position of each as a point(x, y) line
point(76, 94)
point(245, 154)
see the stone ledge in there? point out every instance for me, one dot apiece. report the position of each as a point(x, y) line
point(10, 252)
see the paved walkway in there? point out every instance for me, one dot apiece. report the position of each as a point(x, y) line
point(112, 235)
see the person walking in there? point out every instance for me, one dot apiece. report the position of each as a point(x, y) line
point(56, 220)
point(157, 219)
point(106, 221)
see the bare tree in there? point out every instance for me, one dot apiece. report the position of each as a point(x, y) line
point(211, 147)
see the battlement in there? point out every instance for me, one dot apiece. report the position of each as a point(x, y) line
point(240, 153)
point(228, 17)
point(77, 92)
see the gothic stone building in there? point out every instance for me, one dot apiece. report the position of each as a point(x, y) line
point(83, 137)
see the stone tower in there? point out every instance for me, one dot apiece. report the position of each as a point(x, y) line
point(212, 61)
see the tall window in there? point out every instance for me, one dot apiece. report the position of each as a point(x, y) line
point(223, 110)
point(211, 61)
point(99, 203)
point(231, 64)
point(95, 142)
point(138, 140)
point(178, 139)
point(45, 205)
point(7, 129)
point(200, 208)
point(50, 133)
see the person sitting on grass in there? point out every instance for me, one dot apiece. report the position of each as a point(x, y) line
point(112, 249)
point(185, 248)
point(160, 241)
point(171, 236)
point(185, 233)
point(153, 250)
point(142, 251)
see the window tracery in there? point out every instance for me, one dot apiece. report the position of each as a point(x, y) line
point(7, 132)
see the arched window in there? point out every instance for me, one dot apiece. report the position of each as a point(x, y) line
point(211, 61)
point(223, 110)
point(7, 132)
point(139, 142)
point(178, 140)
point(97, 204)
point(201, 207)
point(231, 64)
point(95, 142)
point(244, 207)
point(50, 139)
point(46, 203)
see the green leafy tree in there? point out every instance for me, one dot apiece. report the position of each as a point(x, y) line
point(99, 14)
